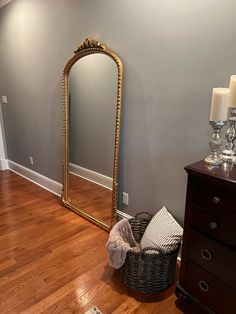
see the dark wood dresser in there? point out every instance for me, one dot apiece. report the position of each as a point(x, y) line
point(208, 262)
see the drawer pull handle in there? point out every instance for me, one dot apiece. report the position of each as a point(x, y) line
point(206, 255)
point(204, 286)
point(213, 224)
point(216, 199)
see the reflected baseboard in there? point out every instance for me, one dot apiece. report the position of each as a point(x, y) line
point(91, 175)
point(44, 182)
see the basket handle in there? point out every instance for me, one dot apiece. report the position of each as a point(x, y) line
point(143, 212)
point(151, 248)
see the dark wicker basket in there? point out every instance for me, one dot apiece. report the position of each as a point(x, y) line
point(146, 271)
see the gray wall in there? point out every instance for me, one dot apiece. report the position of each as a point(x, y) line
point(93, 89)
point(174, 53)
point(3, 154)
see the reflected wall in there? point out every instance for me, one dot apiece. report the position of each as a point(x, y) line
point(92, 116)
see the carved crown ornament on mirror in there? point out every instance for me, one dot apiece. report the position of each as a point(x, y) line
point(92, 90)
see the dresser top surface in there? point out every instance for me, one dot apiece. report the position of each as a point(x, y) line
point(225, 173)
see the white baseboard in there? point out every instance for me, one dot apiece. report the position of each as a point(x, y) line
point(3, 164)
point(50, 185)
point(95, 177)
point(92, 176)
point(44, 182)
point(35, 177)
point(123, 215)
point(179, 253)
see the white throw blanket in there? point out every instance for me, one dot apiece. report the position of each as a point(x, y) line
point(120, 241)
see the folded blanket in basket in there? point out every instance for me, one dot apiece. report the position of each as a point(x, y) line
point(120, 241)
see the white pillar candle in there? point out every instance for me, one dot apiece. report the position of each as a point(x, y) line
point(232, 93)
point(219, 104)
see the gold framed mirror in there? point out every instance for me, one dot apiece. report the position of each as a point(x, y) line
point(92, 89)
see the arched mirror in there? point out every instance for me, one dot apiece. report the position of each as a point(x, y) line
point(92, 84)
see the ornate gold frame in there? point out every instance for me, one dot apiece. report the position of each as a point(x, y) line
point(87, 47)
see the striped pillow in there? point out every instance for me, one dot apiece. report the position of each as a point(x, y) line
point(162, 232)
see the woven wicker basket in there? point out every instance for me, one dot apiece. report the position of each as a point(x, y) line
point(146, 271)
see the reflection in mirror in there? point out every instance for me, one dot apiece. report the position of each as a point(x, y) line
point(92, 86)
point(92, 117)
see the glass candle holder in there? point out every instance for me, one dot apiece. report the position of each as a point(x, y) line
point(214, 159)
point(228, 155)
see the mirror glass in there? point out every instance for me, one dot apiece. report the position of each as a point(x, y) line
point(92, 100)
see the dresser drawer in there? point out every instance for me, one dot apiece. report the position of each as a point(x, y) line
point(213, 196)
point(217, 225)
point(207, 289)
point(216, 258)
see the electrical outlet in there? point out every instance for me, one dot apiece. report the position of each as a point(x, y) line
point(31, 160)
point(4, 99)
point(125, 198)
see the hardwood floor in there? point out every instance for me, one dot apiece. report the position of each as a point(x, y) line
point(53, 261)
point(92, 198)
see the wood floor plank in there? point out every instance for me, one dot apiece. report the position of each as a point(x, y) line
point(59, 300)
point(93, 198)
point(7, 263)
point(53, 261)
